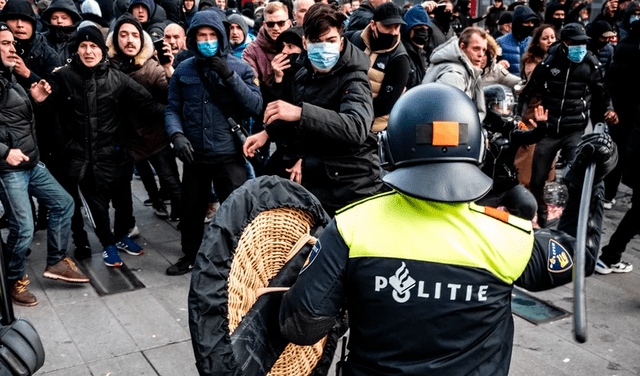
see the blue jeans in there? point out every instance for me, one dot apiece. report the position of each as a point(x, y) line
point(16, 188)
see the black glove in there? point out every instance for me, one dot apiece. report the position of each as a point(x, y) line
point(183, 148)
point(594, 147)
point(219, 65)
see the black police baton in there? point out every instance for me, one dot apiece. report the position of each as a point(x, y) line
point(579, 298)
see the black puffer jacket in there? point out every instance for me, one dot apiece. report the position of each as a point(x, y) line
point(17, 124)
point(95, 101)
point(567, 90)
point(341, 163)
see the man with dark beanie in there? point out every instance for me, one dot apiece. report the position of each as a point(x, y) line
point(95, 98)
point(22, 173)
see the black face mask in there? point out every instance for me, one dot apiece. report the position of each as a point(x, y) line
point(383, 41)
point(420, 36)
point(598, 45)
point(443, 18)
point(524, 32)
point(557, 23)
point(293, 65)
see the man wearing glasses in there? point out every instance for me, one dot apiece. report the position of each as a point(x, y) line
point(261, 52)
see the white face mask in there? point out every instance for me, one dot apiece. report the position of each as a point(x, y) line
point(323, 56)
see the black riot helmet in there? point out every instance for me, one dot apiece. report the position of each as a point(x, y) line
point(499, 101)
point(434, 144)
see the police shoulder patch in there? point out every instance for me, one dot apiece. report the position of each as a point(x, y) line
point(559, 259)
point(312, 256)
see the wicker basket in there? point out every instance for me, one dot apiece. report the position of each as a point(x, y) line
point(266, 244)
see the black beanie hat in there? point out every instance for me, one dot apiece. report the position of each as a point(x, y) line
point(92, 34)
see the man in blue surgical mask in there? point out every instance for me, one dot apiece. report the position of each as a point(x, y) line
point(332, 115)
point(571, 85)
point(205, 90)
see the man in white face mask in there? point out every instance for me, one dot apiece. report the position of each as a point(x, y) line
point(332, 116)
point(562, 79)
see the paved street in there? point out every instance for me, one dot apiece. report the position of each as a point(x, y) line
point(145, 332)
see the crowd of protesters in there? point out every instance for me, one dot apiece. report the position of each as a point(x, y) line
point(100, 90)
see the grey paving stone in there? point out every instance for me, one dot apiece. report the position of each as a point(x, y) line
point(134, 364)
point(95, 330)
point(60, 351)
point(173, 297)
point(567, 356)
point(173, 360)
point(149, 268)
point(145, 319)
point(81, 370)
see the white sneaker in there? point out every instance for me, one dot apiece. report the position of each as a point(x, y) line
point(608, 205)
point(621, 267)
point(134, 232)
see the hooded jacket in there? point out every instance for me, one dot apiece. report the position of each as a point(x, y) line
point(567, 90)
point(259, 55)
point(450, 65)
point(341, 163)
point(157, 20)
point(36, 53)
point(624, 26)
point(513, 45)
point(96, 101)
point(493, 15)
point(240, 21)
point(191, 110)
point(59, 37)
point(388, 74)
point(143, 138)
point(418, 57)
point(17, 123)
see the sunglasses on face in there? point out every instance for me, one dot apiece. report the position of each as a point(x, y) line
point(271, 24)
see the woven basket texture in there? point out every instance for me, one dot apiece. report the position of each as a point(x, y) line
point(266, 244)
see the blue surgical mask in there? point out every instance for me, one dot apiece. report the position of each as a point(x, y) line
point(633, 18)
point(208, 47)
point(577, 53)
point(323, 56)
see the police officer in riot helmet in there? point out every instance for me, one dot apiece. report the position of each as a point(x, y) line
point(506, 135)
point(425, 273)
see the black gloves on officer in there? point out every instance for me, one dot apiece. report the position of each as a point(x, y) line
point(594, 147)
point(182, 147)
point(219, 65)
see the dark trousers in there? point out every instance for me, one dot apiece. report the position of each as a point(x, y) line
point(58, 169)
point(620, 135)
point(227, 173)
point(98, 202)
point(164, 162)
point(543, 157)
point(627, 229)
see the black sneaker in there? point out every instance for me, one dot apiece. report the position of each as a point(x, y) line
point(183, 266)
point(82, 252)
point(160, 209)
point(148, 202)
point(174, 217)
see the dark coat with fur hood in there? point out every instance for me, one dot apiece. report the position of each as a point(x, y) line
point(144, 138)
